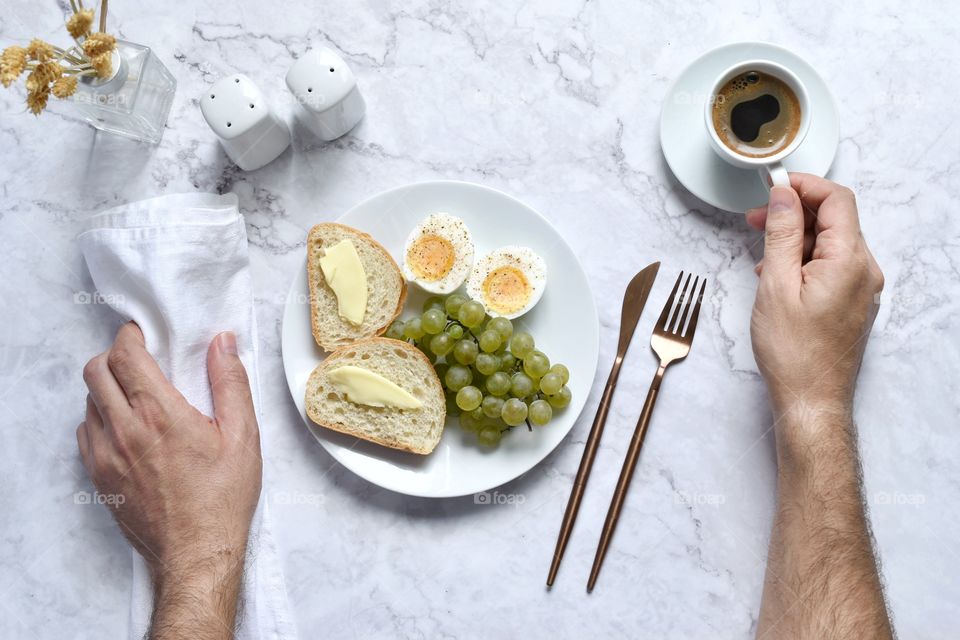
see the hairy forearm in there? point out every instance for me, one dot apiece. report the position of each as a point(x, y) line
point(198, 601)
point(822, 578)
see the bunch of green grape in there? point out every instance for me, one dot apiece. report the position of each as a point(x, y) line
point(494, 377)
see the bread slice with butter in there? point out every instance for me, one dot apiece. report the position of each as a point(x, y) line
point(409, 418)
point(333, 312)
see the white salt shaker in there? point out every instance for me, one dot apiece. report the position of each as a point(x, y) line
point(250, 132)
point(326, 90)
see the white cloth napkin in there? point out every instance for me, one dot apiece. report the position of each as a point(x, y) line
point(178, 266)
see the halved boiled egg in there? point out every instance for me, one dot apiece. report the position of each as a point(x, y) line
point(439, 253)
point(508, 281)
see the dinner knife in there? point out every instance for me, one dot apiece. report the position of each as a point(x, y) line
point(634, 299)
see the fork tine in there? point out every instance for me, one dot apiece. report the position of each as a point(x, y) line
point(676, 311)
point(662, 322)
point(696, 313)
point(686, 307)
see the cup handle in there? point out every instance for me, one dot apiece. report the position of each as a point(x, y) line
point(775, 175)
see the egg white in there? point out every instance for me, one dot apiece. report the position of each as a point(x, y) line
point(533, 267)
point(453, 230)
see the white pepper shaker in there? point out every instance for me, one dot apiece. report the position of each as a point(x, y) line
point(250, 132)
point(326, 91)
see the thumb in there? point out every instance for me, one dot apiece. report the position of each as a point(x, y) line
point(783, 238)
point(232, 402)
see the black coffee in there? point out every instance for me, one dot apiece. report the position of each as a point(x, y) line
point(756, 114)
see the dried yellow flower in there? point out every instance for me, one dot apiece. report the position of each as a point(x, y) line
point(99, 43)
point(79, 23)
point(65, 87)
point(12, 62)
point(43, 74)
point(103, 65)
point(39, 50)
point(37, 100)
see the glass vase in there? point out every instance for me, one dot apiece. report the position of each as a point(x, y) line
point(135, 101)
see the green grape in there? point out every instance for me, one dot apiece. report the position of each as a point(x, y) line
point(433, 321)
point(498, 383)
point(507, 361)
point(457, 377)
point(497, 423)
point(550, 384)
point(503, 326)
point(521, 385)
point(452, 408)
point(396, 330)
point(469, 422)
point(469, 398)
point(453, 303)
point(540, 412)
point(514, 412)
point(434, 302)
point(471, 314)
point(441, 370)
point(413, 329)
point(491, 406)
point(536, 364)
point(487, 363)
point(423, 343)
point(455, 331)
point(465, 351)
point(562, 371)
point(479, 380)
point(441, 344)
point(561, 399)
point(490, 341)
point(521, 345)
point(489, 436)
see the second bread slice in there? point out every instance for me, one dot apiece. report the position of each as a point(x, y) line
point(416, 430)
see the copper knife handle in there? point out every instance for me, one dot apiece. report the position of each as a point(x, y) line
point(583, 473)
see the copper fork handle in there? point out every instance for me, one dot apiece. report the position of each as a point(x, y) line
point(626, 474)
point(583, 472)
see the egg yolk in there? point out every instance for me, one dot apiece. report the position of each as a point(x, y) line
point(506, 289)
point(431, 257)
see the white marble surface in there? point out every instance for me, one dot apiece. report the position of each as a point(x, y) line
point(556, 103)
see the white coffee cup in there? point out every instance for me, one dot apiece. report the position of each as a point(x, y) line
point(770, 167)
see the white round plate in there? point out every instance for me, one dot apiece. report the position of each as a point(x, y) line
point(686, 147)
point(564, 324)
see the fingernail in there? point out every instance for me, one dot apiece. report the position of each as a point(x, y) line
point(227, 342)
point(781, 200)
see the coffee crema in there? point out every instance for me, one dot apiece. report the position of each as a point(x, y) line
point(756, 114)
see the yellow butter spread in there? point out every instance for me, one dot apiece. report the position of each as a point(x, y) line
point(344, 273)
point(362, 386)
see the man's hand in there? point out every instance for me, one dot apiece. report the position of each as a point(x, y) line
point(190, 483)
point(816, 300)
point(815, 304)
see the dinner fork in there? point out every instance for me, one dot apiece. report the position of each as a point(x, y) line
point(671, 342)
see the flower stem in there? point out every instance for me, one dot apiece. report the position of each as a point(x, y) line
point(103, 16)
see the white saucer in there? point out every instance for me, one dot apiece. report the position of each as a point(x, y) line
point(686, 147)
